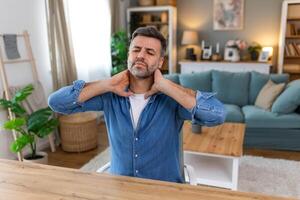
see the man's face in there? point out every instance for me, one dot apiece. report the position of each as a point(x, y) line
point(144, 56)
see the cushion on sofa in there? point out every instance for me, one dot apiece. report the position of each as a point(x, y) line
point(173, 77)
point(289, 99)
point(231, 88)
point(258, 118)
point(258, 80)
point(197, 81)
point(233, 113)
point(268, 95)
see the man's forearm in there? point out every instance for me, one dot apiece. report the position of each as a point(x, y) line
point(93, 89)
point(184, 96)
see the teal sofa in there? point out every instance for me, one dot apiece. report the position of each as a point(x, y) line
point(276, 129)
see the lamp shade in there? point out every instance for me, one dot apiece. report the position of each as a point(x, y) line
point(268, 49)
point(189, 37)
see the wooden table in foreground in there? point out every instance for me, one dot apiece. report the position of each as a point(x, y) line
point(213, 156)
point(27, 181)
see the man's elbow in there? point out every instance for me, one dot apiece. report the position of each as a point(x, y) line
point(53, 103)
point(216, 118)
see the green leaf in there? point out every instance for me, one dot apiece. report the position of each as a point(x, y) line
point(23, 93)
point(47, 128)
point(21, 142)
point(5, 103)
point(14, 124)
point(14, 106)
point(18, 109)
point(38, 118)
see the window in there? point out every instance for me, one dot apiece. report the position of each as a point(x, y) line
point(90, 25)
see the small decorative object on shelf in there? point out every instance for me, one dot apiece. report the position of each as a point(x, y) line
point(266, 54)
point(206, 51)
point(217, 56)
point(233, 49)
point(196, 128)
point(254, 50)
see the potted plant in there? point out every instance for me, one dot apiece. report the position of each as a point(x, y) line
point(38, 124)
point(254, 50)
point(119, 51)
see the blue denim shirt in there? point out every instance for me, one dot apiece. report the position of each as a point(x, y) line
point(152, 149)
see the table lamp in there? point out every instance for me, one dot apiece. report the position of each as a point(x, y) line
point(190, 38)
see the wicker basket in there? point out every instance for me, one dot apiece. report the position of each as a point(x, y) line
point(146, 2)
point(79, 132)
point(166, 2)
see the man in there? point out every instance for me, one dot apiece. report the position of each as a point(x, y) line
point(144, 112)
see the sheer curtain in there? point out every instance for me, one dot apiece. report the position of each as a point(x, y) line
point(90, 24)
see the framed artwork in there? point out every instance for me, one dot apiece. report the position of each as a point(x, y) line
point(228, 14)
point(264, 56)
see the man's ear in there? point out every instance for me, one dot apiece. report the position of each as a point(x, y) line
point(161, 62)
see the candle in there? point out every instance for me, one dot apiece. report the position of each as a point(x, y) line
point(202, 44)
point(218, 48)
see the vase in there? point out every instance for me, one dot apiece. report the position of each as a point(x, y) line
point(196, 128)
point(254, 55)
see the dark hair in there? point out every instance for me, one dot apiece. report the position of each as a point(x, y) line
point(151, 31)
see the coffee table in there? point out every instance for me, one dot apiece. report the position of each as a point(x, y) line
point(213, 155)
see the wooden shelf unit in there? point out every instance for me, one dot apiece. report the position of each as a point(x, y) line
point(289, 41)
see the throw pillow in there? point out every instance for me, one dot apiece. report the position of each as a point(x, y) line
point(268, 94)
point(289, 100)
point(258, 80)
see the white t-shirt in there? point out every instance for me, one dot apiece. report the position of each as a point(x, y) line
point(137, 104)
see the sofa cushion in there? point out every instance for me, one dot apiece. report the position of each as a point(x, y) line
point(258, 118)
point(258, 80)
point(173, 77)
point(231, 88)
point(289, 100)
point(233, 113)
point(268, 95)
point(197, 81)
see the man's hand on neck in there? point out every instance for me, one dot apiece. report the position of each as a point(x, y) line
point(157, 84)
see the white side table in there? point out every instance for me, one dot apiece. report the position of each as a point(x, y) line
point(213, 155)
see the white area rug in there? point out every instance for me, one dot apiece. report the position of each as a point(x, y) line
point(257, 174)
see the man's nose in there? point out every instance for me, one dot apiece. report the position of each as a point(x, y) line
point(141, 54)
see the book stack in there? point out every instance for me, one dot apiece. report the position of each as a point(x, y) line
point(291, 29)
point(292, 49)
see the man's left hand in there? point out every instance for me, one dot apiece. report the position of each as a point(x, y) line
point(159, 80)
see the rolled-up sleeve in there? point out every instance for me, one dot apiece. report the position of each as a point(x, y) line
point(65, 100)
point(208, 111)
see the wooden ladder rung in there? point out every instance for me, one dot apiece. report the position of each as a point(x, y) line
point(16, 61)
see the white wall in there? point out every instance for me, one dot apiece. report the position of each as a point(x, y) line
point(16, 16)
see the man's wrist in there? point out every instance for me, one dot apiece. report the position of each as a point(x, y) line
point(107, 85)
point(162, 85)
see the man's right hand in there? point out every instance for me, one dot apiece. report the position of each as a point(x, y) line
point(119, 84)
point(116, 84)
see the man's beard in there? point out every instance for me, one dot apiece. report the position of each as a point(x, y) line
point(141, 72)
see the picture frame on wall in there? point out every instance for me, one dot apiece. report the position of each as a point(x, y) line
point(264, 56)
point(228, 14)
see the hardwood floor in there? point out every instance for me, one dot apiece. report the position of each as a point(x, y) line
point(77, 160)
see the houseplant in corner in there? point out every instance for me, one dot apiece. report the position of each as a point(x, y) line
point(119, 51)
point(38, 124)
